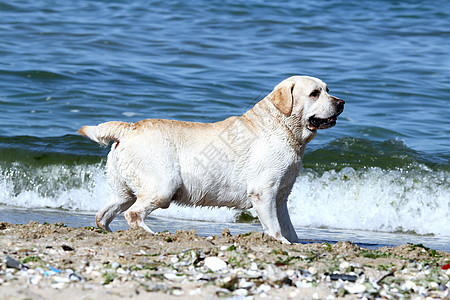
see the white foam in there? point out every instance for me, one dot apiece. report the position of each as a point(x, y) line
point(372, 199)
point(50, 187)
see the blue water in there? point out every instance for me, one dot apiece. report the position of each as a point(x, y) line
point(385, 164)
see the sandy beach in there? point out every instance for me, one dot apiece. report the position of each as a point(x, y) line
point(49, 261)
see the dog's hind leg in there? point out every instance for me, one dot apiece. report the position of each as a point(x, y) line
point(121, 198)
point(119, 202)
point(146, 203)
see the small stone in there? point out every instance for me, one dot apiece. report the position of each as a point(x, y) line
point(409, 285)
point(240, 292)
point(75, 277)
point(171, 276)
point(344, 265)
point(290, 272)
point(263, 288)
point(293, 295)
point(200, 276)
point(254, 266)
point(197, 291)
point(215, 264)
point(177, 292)
point(244, 284)
point(59, 279)
point(60, 285)
point(355, 288)
point(433, 285)
point(32, 280)
point(229, 282)
point(303, 284)
point(115, 265)
point(276, 276)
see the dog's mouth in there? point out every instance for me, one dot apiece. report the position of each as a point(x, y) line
point(315, 123)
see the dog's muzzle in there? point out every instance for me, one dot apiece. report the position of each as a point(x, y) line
point(315, 123)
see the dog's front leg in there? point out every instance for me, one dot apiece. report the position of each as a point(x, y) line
point(265, 206)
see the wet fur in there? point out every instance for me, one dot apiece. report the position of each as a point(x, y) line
point(243, 162)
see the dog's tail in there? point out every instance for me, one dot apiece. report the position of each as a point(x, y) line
point(105, 132)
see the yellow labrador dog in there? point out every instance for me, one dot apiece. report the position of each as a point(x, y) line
point(243, 162)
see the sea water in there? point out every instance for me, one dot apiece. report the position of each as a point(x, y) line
point(380, 176)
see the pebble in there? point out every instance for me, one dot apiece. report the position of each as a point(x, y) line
point(409, 285)
point(275, 275)
point(229, 282)
point(240, 292)
point(61, 279)
point(263, 288)
point(75, 277)
point(254, 266)
point(171, 276)
point(355, 288)
point(215, 264)
point(244, 284)
point(177, 292)
point(303, 284)
point(197, 291)
point(344, 265)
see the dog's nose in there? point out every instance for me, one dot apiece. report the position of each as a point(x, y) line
point(340, 104)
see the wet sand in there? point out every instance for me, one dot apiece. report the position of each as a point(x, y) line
point(49, 261)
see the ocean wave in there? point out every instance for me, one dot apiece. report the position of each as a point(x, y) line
point(373, 199)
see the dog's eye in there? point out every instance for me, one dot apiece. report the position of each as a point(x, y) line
point(314, 94)
point(328, 90)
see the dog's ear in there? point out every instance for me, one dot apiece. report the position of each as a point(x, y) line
point(283, 99)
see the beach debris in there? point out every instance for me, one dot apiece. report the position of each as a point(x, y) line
point(67, 248)
point(13, 263)
point(344, 277)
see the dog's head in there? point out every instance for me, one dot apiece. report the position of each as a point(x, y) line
point(307, 100)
